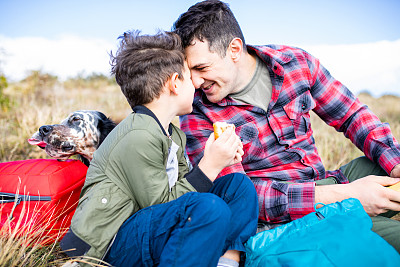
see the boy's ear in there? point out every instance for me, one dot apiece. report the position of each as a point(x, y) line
point(173, 83)
point(235, 49)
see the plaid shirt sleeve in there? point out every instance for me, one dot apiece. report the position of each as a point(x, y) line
point(339, 108)
point(283, 202)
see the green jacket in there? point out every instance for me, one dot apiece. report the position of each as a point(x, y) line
point(128, 173)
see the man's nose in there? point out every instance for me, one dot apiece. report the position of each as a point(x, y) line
point(197, 80)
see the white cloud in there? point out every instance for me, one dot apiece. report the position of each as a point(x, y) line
point(65, 56)
point(371, 66)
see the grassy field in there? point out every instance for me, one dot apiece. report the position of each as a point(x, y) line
point(41, 99)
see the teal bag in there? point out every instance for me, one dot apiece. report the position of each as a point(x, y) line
point(337, 234)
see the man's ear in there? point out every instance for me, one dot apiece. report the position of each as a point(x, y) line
point(235, 49)
point(174, 83)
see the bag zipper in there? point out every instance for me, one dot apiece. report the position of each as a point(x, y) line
point(16, 198)
point(319, 215)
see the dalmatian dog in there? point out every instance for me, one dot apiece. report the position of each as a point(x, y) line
point(81, 133)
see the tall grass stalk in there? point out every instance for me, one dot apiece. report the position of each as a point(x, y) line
point(21, 241)
point(31, 239)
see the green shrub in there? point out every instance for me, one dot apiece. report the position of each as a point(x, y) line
point(4, 99)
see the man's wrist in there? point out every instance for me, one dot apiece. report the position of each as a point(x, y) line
point(327, 194)
point(395, 171)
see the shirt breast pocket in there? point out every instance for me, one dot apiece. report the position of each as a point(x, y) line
point(298, 111)
point(248, 134)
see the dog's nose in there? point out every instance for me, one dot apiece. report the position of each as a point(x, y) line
point(45, 130)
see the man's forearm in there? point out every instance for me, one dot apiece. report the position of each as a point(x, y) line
point(327, 194)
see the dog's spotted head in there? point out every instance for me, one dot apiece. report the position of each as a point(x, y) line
point(80, 133)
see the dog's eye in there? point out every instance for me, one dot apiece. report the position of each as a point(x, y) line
point(75, 119)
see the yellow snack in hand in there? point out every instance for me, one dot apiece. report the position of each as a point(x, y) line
point(220, 127)
point(395, 186)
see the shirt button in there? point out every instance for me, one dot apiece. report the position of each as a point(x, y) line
point(275, 67)
point(286, 146)
point(104, 200)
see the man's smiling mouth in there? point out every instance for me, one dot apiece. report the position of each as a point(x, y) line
point(207, 88)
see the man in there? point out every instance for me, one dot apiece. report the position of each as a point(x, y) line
point(268, 92)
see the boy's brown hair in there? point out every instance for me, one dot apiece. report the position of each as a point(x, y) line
point(144, 63)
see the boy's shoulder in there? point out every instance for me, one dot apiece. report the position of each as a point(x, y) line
point(134, 125)
point(137, 121)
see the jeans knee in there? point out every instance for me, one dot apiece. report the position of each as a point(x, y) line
point(213, 208)
point(244, 183)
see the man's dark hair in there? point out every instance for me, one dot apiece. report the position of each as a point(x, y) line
point(144, 63)
point(211, 20)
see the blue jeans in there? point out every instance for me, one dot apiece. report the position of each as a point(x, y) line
point(193, 230)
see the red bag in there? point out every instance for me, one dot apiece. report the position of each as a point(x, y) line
point(38, 197)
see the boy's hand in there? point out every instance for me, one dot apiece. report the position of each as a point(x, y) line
point(220, 153)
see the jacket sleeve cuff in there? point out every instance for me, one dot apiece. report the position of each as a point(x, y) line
point(199, 180)
point(301, 199)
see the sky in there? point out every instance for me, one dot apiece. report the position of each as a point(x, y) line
point(357, 41)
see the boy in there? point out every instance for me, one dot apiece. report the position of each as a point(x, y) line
point(140, 204)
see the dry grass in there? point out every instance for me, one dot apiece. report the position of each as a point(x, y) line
point(22, 239)
point(336, 150)
point(41, 99)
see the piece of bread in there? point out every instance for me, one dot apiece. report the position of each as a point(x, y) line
point(395, 186)
point(220, 127)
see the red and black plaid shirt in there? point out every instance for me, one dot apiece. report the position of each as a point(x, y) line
point(280, 155)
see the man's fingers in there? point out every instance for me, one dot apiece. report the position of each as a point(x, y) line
point(393, 205)
point(383, 180)
point(393, 195)
point(388, 181)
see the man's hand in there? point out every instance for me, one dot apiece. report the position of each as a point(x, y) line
point(371, 191)
point(395, 173)
point(374, 196)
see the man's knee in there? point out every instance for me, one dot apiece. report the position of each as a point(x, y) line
point(361, 167)
point(388, 229)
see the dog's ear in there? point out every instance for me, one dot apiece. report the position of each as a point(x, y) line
point(84, 160)
point(105, 126)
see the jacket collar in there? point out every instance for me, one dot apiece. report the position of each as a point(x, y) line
point(144, 110)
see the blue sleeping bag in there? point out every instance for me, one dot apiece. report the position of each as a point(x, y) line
point(337, 234)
